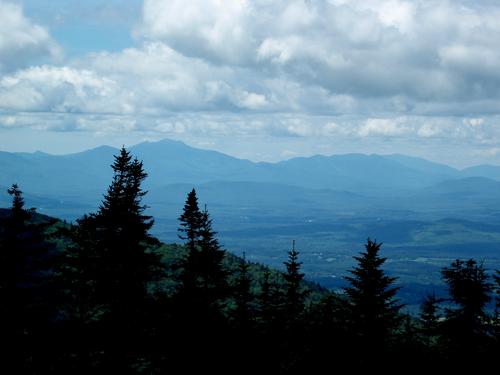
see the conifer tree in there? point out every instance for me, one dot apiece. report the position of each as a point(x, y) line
point(374, 308)
point(81, 304)
point(25, 272)
point(211, 255)
point(469, 288)
point(189, 231)
point(265, 296)
point(203, 278)
point(243, 314)
point(114, 261)
point(124, 238)
point(429, 318)
point(496, 318)
point(202, 292)
point(190, 221)
point(295, 294)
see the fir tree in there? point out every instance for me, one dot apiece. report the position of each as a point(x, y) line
point(25, 274)
point(295, 294)
point(429, 318)
point(203, 278)
point(189, 231)
point(81, 304)
point(469, 288)
point(496, 317)
point(202, 292)
point(211, 255)
point(374, 308)
point(243, 314)
point(190, 221)
point(116, 262)
point(124, 238)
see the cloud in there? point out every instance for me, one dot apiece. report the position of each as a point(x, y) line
point(21, 40)
point(383, 127)
point(402, 71)
point(418, 50)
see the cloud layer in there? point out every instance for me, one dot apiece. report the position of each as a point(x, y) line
point(21, 40)
point(354, 69)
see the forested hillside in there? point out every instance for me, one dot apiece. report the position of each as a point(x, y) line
point(103, 295)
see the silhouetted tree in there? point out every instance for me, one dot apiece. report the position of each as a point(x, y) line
point(115, 254)
point(469, 288)
point(25, 273)
point(203, 278)
point(212, 274)
point(203, 290)
point(429, 319)
point(243, 311)
point(496, 319)
point(327, 337)
point(190, 221)
point(81, 304)
point(374, 308)
point(295, 293)
point(293, 344)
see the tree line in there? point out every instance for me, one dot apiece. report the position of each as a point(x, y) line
point(98, 297)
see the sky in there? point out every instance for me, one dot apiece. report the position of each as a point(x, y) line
point(262, 80)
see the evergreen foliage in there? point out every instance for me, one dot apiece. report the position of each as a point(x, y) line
point(25, 291)
point(374, 308)
point(469, 289)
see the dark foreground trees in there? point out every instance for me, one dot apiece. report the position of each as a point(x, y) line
point(467, 325)
point(105, 275)
point(25, 290)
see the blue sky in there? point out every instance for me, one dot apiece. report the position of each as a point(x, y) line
point(264, 80)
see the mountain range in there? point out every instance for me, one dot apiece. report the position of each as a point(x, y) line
point(341, 181)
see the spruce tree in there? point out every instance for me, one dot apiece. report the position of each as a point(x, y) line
point(202, 293)
point(124, 239)
point(211, 256)
point(203, 279)
point(25, 275)
point(429, 319)
point(190, 221)
point(243, 314)
point(79, 273)
point(469, 288)
point(374, 308)
point(295, 294)
point(496, 319)
point(81, 307)
point(113, 262)
point(189, 231)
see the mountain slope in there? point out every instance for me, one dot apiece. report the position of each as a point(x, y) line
point(83, 177)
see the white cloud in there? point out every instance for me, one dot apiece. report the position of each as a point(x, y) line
point(60, 89)
point(424, 50)
point(429, 131)
point(21, 40)
point(335, 69)
point(383, 127)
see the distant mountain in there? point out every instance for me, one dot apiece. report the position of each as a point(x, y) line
point(466, 194)
point(489, 171)
point(369, 174)
point(425, 166)
point(324, 182)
